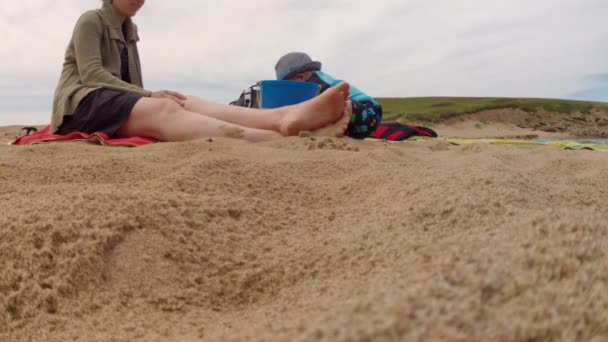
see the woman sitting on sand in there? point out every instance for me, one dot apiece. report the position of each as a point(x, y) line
point(101, 90)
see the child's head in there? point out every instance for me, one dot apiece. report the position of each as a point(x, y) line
point(296, 66)
point(301, 76)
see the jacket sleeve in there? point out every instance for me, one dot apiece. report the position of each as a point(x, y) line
point(87, 47)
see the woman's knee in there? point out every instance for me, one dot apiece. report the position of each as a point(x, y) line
point(155, 108)
point(167, 107)
point(154, 112)
point(193, 102)
point(150, 118)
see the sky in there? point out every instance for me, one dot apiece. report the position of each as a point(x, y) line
point(387, 48)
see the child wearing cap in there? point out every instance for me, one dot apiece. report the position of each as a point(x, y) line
point(298, 66)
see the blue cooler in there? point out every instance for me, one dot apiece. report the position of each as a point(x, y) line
point(274, 94)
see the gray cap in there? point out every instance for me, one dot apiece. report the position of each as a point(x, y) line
point(293, 63)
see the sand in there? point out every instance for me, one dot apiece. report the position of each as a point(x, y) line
point(304, 239)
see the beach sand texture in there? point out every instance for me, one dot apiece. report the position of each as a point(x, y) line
point(302, 239)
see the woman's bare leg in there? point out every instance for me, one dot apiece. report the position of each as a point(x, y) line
point(321, 111)
point(165, 120)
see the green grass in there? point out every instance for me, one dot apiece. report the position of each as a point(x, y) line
point(436, 109)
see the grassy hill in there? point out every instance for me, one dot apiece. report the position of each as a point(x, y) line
point(436, 109)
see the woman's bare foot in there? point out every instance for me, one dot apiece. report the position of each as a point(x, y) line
point(336, 129)
point(323, 110)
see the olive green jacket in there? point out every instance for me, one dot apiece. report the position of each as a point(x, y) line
point(92, 61)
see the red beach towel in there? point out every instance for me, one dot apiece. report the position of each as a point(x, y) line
point(44, 135)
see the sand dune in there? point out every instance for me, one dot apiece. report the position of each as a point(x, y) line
point(302, 239)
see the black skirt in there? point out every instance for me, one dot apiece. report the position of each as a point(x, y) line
point(102, 110)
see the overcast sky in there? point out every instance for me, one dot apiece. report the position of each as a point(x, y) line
point(387, 48)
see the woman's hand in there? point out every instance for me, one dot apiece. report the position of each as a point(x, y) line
point(172, 95)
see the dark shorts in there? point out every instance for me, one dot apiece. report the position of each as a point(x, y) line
point(103, 110)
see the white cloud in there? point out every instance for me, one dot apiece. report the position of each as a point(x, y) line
point(541, 48)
